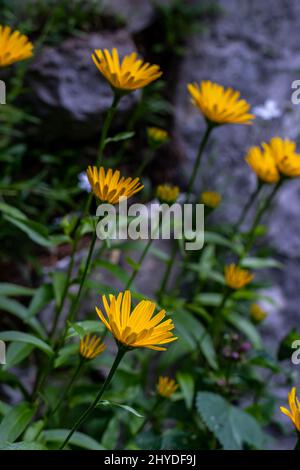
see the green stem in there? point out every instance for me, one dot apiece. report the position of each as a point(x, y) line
point(167, 273)
point(66, 288)
point(218, 320)
point(88, 411)
point(69, 386)
point(247, 207)
point(142, 257)
point(209, 128)
point(147, 159)
point(297, 446)
point(259, 215)
point(149, 415)
point(75, 303)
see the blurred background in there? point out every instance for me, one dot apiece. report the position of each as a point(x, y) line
point(250, 45)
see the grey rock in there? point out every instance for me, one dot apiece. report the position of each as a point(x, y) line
point(68, 91)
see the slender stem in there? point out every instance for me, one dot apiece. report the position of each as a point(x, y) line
point(297, 446)
point(259, 215)
point(218, 320)
point(209, 128)
point(167, 272)
point(92, 406)
point(69, 386)
point(146, 160)
point(143, 256)
point(248, 205)
point(75, 303)
point(66, 288)
point(149, 415)
point(137, 268)
point(106, 125)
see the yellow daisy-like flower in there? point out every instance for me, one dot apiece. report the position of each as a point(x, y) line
point(236, 277)
point(167, 193)
point(137, 328)
point(156, 135)
point(285, 156)
point(91, 346)
point(294, 413)
point(131, 74)
point(220, 105)
point(211, 199)
point(257, 313)
point(14, 46)
point(109, 186)
point(166, 387)
point(263, 163)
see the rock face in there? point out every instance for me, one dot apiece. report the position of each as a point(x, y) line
point(69, 91)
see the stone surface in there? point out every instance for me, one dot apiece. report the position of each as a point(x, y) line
point(68, 90)
point(138, 14)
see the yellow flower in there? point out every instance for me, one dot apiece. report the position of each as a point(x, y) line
point(156, 135)
point(137, 328)
point(131, 74)
point(294, 413)
point(109, 187)
point(220, 105)
point(166, 387)
point(257, 313)
point(211, 199)
point(14, 46)
point(263, 163)
point(167, 193)
point(91, 346)
point(285, 156)
point(236, 277)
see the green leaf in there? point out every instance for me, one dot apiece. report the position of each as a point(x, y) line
point(15, 422)
point(78, 439)
point(26, 338)
point(119, 137)
point(35, 231)
point(43, 296)
point(233, 427)
point(24, 445)
point(120, 405)
point(217, 239)
point(16, 353)
point(16, 308)
point(7, 290)
point(85, 327)
point(260, 263)
point(133, 264)
point(194, 335)
point(116, 270)
point(187, 386)
point(246, 327)
point(212, 299)
point(59, 283)
point(111, 434)
point(12, 211)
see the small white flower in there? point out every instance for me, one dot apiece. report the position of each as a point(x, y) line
point(83, 182)
point(269, 110)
